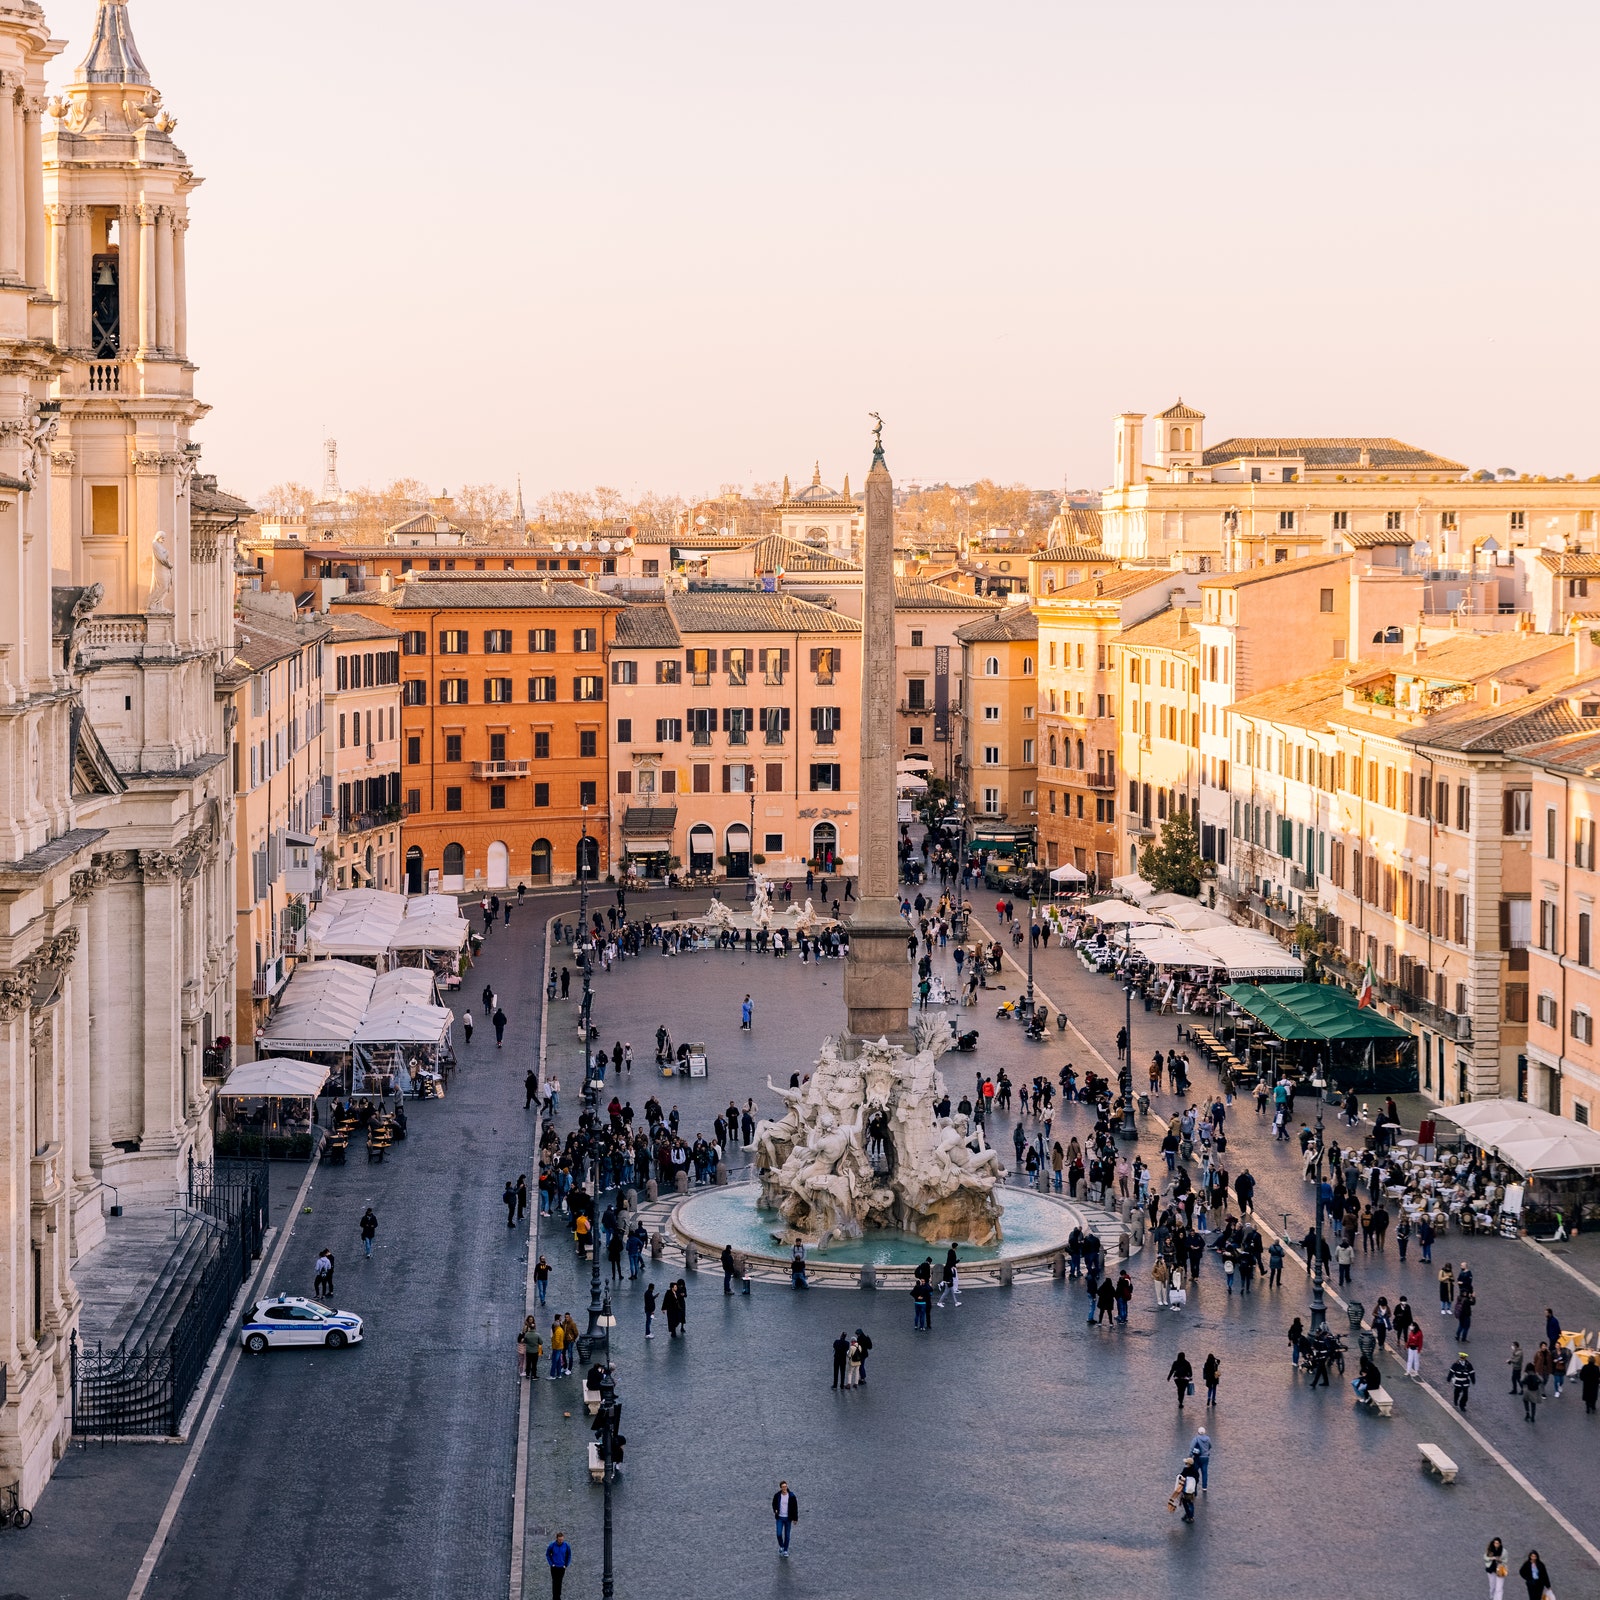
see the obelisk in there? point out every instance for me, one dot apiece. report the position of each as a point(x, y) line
point(877, 976)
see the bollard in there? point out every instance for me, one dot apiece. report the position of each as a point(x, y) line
point(630, 1199)
point(1122, 1244)
point(652, 1190)
point(683, 1183)
point(657, 1244)
point(1058, 1266)
point(1007, 1275)
point(691, 1258)
point(722, 1175)
point(869, 1275)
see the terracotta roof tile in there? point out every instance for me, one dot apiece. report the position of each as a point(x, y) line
point(1383, 455)
point(1010, 626)
point(1277, 569)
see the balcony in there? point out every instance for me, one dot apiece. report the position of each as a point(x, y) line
point(1094, 780)
point(49, 1174)
point(700, 736)
point(915, 708)
point(1452, 1024)
point(499, 771)
point(363, 821)
point(104, 636)
point(105, 377)
point(270, 979)
point(825, 735)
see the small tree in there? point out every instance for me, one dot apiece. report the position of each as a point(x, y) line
point(1174, 866)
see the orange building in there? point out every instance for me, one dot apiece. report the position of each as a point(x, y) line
point(502, 726)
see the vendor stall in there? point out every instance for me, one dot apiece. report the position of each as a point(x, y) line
point(267, 1108)
point(403, 1044)
point(1559, 1158)
point(1320, 1026)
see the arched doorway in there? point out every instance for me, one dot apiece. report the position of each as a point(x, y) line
point(455, 868)
point(414, 870)
point(824, 845)
point(499, 865)
point(738, 851)
point(588, 859)
point(539, 865)
point(702, 849)
point(372, 869)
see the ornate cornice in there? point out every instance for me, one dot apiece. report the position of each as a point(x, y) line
point(19, 986)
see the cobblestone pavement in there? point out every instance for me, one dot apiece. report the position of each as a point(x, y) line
point(1015, 1447)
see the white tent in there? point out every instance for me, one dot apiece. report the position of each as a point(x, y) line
point(321, 1007)
point(1067, 873)
point(910, 783)
point(432, 922)
point(1190, 916)
point(1168, 949)
point(1133, 886)
point(275, 1078)
point(1536, 1142)
point(1247, 953)
point(373, 924)
point(1117, 911)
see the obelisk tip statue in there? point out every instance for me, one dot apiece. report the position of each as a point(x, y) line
point(877, 980)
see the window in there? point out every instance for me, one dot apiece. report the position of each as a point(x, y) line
point(991, 713)
point(774, 777)
point(774, 665)
point(414, 750)
point(1286, 522)
point(736, 724)
point(586, 792)
point(824, 663)
point(1582, 1024)
point(588, 741)
point(1517, 1002)
point(625, 671)
point(1578, 589)
point(1027, 666)
point(914, 733)
point(652, 568)
point(669, 730)
point(542, 641)
point(1517, 521)
point(1547, 1009)
point(413, 801)
point(452, 799)
point(1549, 923)
point(738, 779)
point(414, 644)
point(1463, 807)
point(991, 667)
point(497, 747)
point(414, 692)
point(991, 801)
point(497, 691)
point(585, 639)
point(1027, 751)
point(826, 721)
point(772, 843)
point(701, 779)
point(991, 755)
point(1585, 921)
point(341, 729)
point(624, 730)
point(541, 747)
point(1341, 522)
point(774, 723)
point(541, 688)
point(825, 777)
point(697, 663)
point(452, 747)
point(1550, 832)
point(1518, 816)
point(541, 795)
point(916, 694)
point(1583, 843)
point(1325, 599)
point(702, 724)
point(588, 687)
point(497, 797)
point(916, 638)
point(736, 663)
point(453, 692)
point(668, 672)
point(497, 642)
point(1027, 797)
point(1394, 521)
point(453, 642)
point(625, 782)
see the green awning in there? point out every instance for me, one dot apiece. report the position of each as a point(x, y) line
point(1312, 1011)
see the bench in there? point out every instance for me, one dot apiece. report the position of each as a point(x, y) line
point(1380, 1400)
point(597, 1467)
point(1437, 1461)
point(591, 1401)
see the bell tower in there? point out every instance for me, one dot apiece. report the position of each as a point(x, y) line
point(117, 191)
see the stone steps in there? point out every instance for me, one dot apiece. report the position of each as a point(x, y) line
point(135, 1284)
point(153, 1323)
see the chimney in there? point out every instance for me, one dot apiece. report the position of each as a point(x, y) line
point(1585, 649)
point(385, 583)
point(1130, 450)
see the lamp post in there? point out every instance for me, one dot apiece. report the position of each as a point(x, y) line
point(597, 1306)
point(1030, 960)
point(1129, 1129)
point(584, 1008)
point(611, 1417)
point(1319, 1308)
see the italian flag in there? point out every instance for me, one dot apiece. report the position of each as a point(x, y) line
point(1364, 993)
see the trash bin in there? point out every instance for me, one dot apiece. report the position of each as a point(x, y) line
point(1355, 1311)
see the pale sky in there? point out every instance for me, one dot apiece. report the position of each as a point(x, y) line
point(671, 246)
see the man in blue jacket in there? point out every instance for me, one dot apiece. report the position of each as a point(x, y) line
point(559, 1554)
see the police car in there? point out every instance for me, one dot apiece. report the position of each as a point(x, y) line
point(290, 1320)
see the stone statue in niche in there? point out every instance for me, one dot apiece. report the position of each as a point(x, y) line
point(160, 601)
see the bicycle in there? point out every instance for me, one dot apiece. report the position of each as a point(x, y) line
point(13, 1514)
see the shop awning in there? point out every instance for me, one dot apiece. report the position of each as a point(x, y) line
point(1311, 1011)
point(370, 924)
point(1117, 911)
point(1067, 873)
point(1535, 1142)
point(322, 1006)
point(1248, 953)
point(652, 820)
point(274, 1077)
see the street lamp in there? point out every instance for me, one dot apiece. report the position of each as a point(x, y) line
point(1319, 1308)
point(1030, 960)
point(589, 1094)
point(598, 1308)
point(1129, 1129)
point(610, 1420)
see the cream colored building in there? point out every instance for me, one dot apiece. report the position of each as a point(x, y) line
point(1250, 500)
point(361, 750)
point(116, 967)
point(1000, 691)
point(1159, 726)
point(277, 682)
point(828, 518)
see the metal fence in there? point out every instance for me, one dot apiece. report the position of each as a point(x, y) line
point(143, 1388)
